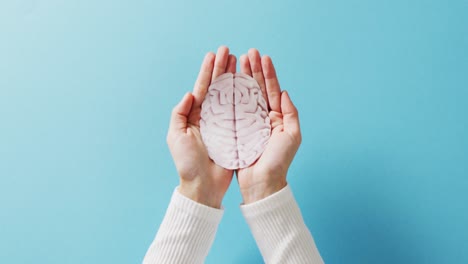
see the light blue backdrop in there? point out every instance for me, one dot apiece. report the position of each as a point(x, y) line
point(86, 89)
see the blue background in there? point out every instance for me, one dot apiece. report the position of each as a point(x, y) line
point(86, 89)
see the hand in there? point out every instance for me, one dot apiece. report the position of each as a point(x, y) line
point(268, 174)
point(200, 178)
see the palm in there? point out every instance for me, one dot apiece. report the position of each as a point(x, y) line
point(195, 161)
point(280, 145)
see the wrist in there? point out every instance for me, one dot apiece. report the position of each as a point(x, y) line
point(201, 194)
point(260, 191)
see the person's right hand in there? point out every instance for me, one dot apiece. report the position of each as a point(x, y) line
point(200, 178)
point(268, 174)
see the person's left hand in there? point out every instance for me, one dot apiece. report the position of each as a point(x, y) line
point(200, 178)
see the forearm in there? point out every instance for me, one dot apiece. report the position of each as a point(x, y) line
point(186, 233)
point(279, 229)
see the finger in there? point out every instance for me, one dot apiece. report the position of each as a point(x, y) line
point(272, 84)
point(245, 65)
point(180, 114)
point(221, 62)
point(257, 72)
point(204, 79)
point(231, 64)
point(290, 116)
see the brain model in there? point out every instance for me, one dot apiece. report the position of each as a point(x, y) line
point(234, 124)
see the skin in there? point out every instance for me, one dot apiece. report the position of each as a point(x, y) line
point(200, 178)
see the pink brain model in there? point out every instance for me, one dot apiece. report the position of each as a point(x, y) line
point(234, 124)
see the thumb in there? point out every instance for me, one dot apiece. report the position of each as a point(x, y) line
point(290, 115)
point(180, 114)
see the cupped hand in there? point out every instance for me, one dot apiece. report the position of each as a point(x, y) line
point(200, 178)
point(268, 174)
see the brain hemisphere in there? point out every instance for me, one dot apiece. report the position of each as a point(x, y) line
point(234, 124)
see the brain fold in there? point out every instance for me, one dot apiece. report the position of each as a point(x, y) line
point(234, 124)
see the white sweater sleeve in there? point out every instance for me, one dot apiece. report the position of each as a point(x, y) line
point(186, 233)
point(279, 229)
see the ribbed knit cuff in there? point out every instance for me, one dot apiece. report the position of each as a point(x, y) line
point(280, 232)
point(280, 199)
point(186, 233)
point(209, 214)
